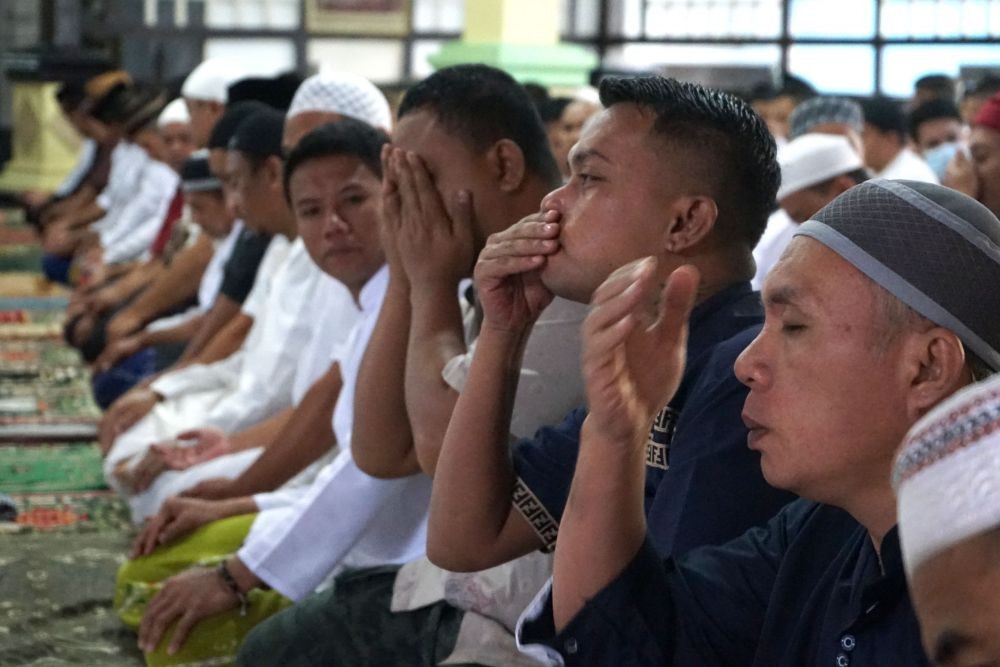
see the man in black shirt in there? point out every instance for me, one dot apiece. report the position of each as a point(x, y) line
point(868, 326)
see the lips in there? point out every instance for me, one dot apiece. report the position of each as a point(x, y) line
point(756, 430)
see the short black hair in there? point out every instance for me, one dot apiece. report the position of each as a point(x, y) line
point(931, 111)
point(344, 137)
point(483, 105)
point(941, 85)
point(723, 139)
point(886, 114)
point(552, 109)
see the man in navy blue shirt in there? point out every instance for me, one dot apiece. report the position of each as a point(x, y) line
point(699, 194)
point(869, 325)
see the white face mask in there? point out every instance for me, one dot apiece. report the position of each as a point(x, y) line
point(938, 157)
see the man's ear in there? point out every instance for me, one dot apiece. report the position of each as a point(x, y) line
point(506, 160)
point(936, 367)
point(694, 219)
point(275, 171)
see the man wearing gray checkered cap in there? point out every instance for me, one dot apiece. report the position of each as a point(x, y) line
point(884, 305)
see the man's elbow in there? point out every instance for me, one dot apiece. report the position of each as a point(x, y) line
point(402, 462)
point(449, 555)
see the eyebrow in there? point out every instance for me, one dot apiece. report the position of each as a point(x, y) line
point(786, 295)
point(949, 645)
point(585, 154)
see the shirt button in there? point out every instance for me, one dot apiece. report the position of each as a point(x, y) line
point(843, 660)
point(847, 642)
point(571, 646)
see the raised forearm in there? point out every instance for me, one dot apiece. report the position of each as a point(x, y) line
point(175, 334)
point(227, 341)
point(261, 434)
point(382, 442)
point(176, 283)
point(471, 509)
point(124, 287)
point(436, 337)
point(223, 310)
point(307, 434)
point(604, 524)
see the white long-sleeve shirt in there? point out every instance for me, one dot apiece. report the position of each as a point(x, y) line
point(346, 518)
point(136, 225)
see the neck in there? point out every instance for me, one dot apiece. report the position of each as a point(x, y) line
point(875, 509)
point(284, 224)
point(720, 270)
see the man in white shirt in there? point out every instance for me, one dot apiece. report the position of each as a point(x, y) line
point(334, 185)
point(815, 168)
point(255, 382)
point(885, 142)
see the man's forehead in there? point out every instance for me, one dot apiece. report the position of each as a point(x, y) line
point(418, 129)
point(615, 133)
point(809, 270)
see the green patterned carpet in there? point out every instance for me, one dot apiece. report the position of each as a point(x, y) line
point(59, 557)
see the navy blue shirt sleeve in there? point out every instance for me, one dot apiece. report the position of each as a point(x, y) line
point(704, 608)
point(544, 465)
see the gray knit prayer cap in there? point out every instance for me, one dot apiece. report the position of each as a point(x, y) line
point(935, 249)
point(820, 110)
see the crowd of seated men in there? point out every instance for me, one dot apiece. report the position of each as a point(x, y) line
point(652, 375)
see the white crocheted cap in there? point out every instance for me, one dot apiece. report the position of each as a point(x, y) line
point(175, 112)
point(344, 94)
point(947, 474)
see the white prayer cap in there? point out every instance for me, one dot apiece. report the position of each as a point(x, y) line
point(344, 94)
point(587, 94)
point(814, 158)
point(175, 112)
point(210, 80)
point(947, 474)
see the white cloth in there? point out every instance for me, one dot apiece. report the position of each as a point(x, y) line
point(550, 385)
point(174, 113)
point(139, 221)
point(344, 94)
point(346, 518)
point(338, 317)
point(210, 80)
point(814, 158)
point(127, 160)
point(909, 166)
point(211, 281)
point(947, 474)
point(84, 160)
point(777, 235)
point(242, 390)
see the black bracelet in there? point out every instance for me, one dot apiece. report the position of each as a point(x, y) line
point(230, 582)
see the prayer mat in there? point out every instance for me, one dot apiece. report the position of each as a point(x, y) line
point(55, 600)
point(28, 284)
point(77, 512)
point(19, 323)
point(48, 467)
point(20, 258)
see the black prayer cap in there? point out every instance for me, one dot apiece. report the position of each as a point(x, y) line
point(276, 92)
point(196, 175)
point(260, 134)
point(231, 118)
